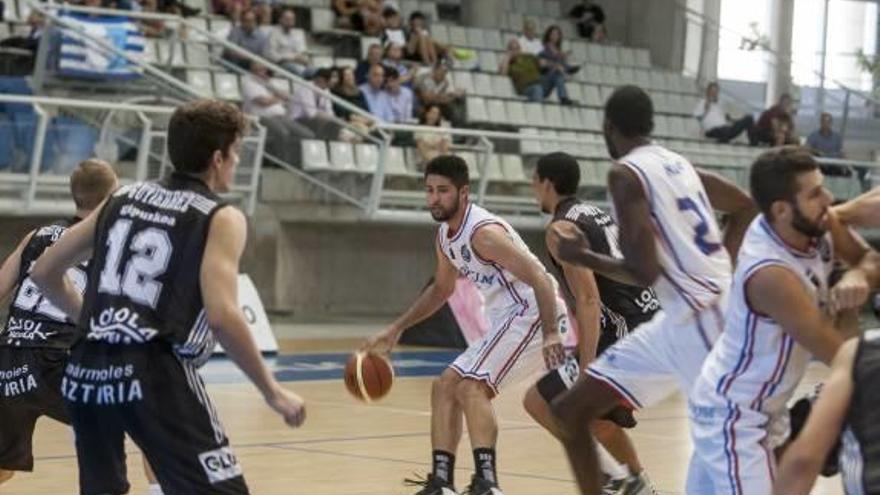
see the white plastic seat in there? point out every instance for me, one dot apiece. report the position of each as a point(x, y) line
point(476, 109)
point(458, 36)
point(464, 80)
point(366, 157)
point(201, 81)
point(342, 156)
point(395, 165)
point(493, 168)
point(482, 84)
point(502, 87)
point(552, 115)
point(535, 114)
point(512, 167)
point(488, 60)
point(475, 37)
point(314, 155)
point(496, 110)
point(226, 86)
point(516, 113)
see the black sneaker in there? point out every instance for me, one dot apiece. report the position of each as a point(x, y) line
point(572, 69)
point(480, 486)
point(431, 486)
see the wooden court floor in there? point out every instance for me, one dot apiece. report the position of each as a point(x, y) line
point(351, 448)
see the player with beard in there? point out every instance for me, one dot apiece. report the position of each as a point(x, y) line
point(604, 310)
point(782, 312)
point(669, 240)
point(527, 321)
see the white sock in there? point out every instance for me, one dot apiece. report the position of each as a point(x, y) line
point(609, 465)
point(154, 490)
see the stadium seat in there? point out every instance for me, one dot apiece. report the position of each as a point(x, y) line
point(470, 158)
point(553, 115)
point(395, 164)
point(502, 87)
point(482, 84)
point(464, 80)
point(201, 81)
point(342, 156)
point(476, 109)
point(493, 41)
point(458, 36)
point(512, 167)
point(493, 168)
point(642, 58)
point(534, 114)
point(530, 146)
point(496, 111)
point(475, 37)
point(627, 57)
point(516, 113)
point(489, 61)
point(440, 33)
point(314, 155)
point(197, 55)
point(366, 157)
point(226, 86)
point(322, 20)
point(220, 27)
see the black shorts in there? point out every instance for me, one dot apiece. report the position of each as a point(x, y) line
point(160, 401)
point(30, 387)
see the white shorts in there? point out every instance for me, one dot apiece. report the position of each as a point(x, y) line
point(732, 454)
point(660, 355)
point(511, 352)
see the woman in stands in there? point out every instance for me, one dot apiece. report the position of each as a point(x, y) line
point(359, 15)
point(431, 144)
point(348, 90)
point(552, 57)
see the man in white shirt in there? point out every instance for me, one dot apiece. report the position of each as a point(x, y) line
point(530, 42)
point(269, 103)
point(287, 46)
point(715, 122)
point(313, 109)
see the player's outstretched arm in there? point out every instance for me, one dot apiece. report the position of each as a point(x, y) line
point(861, 211)
point(218, 280)
point(74, 247)
point(727, 197)
point(639, 265)
point(803, 459)
point(777, 292)
point(11, 266)
point(582, 284)
point(429, 301)
point(492, 243)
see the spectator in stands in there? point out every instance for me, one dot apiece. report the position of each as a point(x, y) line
point(400, 98)
point(529, 40)
point(824, 140)
point(393, 32)
point(359, 15)
point(263, 10)
point(394, 60)
point(552, 56)
point(261, 99)
point(314, 109)
point(349, 91)
point(431, 144)
point(286, 46)
point(374, 57)
point(233, 9)
point(247, 36)
point(590, 20)
point(436, 88)
point(420, 47)
point(152, 28)
point(24, 62)
point(524, 70)
point(715, 121)
point(374, 92)
point(776, 123)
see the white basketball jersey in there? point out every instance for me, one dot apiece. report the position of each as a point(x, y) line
point(695, 266)
point(503, 293)
point(754, 362)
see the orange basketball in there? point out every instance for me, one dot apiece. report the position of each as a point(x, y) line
point(368, 376)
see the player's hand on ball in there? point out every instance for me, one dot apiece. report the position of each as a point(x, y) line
point(851, 291)
point(554, 351)
point(289, 405)
point(381, 343)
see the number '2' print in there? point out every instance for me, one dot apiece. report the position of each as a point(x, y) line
point(703, 237)
point(151, 252)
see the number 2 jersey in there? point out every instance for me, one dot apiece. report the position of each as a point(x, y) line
point(145, 272)
point(624, 306)
point(33, 320)
point(695, 267)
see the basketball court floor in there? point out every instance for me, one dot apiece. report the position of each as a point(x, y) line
point(348, 447)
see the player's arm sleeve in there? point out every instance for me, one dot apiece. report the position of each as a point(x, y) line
point(12, 267)
point(49, 272)
point(582, 284)
point(803, 459)
point(777, 292)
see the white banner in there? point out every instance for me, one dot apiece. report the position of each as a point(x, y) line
point(255, 316)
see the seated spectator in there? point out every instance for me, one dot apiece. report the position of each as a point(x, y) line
point(431, 144)
point(524, 70)
point(152, 28)
point(394, 60)
point(715, 121)
point(375, 94)
point(776, 122)
point(269, 104)
point(314, 109)
point(349, 91)
point(15, 63)
point(286, 48)
point(590, 20)
point(374, 57)
point(529, 40)
point(263, 10)
point(359, 15)
point(824, 140)
point(393, 32)
point(436, 88)
point(552, 55)
point(233, 9)
point(247, 36)
point(420, 47)
point(400, 98)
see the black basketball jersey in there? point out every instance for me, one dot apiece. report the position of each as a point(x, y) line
point(149, 242)
point(859, 455)
point(623, 306)
point(33, 320)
